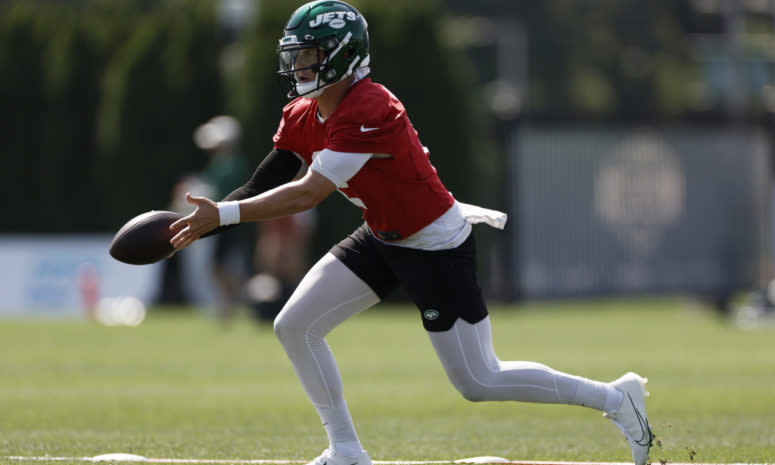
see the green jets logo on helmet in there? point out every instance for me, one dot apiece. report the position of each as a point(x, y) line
point(336, 20)
point(333, 31)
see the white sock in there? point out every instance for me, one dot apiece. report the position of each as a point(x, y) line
point(613, 400)
point(349, 449)
point(339, 428)
point(597, 395)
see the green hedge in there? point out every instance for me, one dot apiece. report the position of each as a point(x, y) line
point(100, 99)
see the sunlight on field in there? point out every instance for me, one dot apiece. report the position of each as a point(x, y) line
point(181, 386)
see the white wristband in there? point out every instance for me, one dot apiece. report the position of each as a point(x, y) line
point(228, 212)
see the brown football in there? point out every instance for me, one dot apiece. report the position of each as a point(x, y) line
point(145, 238)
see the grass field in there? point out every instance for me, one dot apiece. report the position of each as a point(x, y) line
point(181, 386)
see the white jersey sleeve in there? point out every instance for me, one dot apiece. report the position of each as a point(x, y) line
point(338, 167)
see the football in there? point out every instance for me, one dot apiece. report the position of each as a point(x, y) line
point(145, 238)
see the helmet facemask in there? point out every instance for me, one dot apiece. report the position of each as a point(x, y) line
point(306, 64)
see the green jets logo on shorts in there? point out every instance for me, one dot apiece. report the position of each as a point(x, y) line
point(430, 314)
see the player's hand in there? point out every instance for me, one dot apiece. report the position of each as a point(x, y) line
point(191, 227)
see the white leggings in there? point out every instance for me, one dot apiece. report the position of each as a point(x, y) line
point(330, 293)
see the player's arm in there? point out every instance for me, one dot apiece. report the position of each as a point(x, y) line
point(285, 200)
point(329, 171)
point(278, 168)
point(288, 199)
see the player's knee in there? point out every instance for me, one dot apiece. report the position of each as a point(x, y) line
point(470, 389)
point(286, 328)
point(279, 328)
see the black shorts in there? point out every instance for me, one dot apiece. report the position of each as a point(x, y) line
point(442, 283)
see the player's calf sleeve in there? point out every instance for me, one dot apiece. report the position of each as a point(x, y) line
point(470, 362)
point(329, 294)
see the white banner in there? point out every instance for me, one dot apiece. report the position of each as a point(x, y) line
point(66, 275)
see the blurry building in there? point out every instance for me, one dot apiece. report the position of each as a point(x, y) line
point(637, 139)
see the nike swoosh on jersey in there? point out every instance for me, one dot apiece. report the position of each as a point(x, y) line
point(365, 129)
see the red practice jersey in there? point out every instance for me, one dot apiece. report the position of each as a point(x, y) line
point(398, 190)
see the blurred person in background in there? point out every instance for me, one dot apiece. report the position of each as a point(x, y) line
point(225, 170)
point(282, 258)
point(187, 277)
point(356, 137)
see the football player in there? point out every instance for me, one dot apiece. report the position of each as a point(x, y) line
point(356, 138)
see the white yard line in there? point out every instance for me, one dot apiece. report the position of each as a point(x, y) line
point(130, 458)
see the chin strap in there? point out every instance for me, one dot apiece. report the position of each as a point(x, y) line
point(311, 90)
